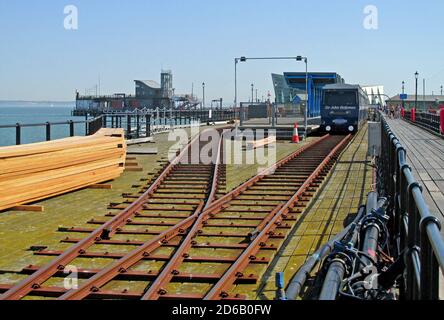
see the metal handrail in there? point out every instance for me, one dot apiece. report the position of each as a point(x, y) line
point(91, 127)
point(24, 125)
point(417, 231)
point(425, 120)
point(133, 122)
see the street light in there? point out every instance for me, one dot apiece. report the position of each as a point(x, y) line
point(403, 91)
point(416, 90)
point(236, 61)
point(298, 58)
point(203, 95)
point(252, 93)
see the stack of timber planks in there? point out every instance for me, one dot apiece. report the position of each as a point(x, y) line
point(42, 170)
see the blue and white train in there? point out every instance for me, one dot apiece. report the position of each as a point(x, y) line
point(344, 108)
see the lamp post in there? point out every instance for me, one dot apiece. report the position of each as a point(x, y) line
point(416, 90)
point(298, 58)
point(441, 90)
point(236, 61)
point(203, 95)
point(252, 93)
point(403, 92)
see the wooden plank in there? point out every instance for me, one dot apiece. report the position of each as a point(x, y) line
point(29, 208)
point(261, 143)
point(44, 163)
point(134, 169)
point(440, 185)
point(431, 186)
point(42, 170)
point(48, 192)
point(131, 164)
point(142, 151)
point(101, 186)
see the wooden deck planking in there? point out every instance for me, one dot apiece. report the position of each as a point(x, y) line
point(425, 153)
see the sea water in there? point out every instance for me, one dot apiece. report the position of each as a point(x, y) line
point(31, 113)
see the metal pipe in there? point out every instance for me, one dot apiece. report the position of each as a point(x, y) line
point(336, 270)
point(332, 281)
point(299, 279)
point(372, 231)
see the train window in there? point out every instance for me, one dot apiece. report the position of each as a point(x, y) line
point(340, 98)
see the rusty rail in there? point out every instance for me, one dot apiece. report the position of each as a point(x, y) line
point(108, 229)
point(220, 289)
point(247, 207)
point(122, 265)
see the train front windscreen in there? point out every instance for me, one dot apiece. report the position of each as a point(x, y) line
point(340, 110)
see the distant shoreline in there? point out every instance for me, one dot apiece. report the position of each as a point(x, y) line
point(36, 102)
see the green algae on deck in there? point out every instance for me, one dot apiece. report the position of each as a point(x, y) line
point(239, 173)
point(341, 194)
point(21, 230)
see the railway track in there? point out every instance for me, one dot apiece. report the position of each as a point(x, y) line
point(198, 246)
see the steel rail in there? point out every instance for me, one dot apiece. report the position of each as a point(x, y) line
point(121, 266)
point(157, 289)
point(220, 289)
point(217, 205)
point(35, 281)
point(167, 234)
point(169, 271)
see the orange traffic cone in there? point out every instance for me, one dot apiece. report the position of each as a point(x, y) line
point(295, 133)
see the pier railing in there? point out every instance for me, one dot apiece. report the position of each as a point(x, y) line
point(140, 124)
point(136, 124)
point(91, 127)
point(416, 231)
point(430, 121)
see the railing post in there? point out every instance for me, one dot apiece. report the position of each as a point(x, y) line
point(441, 117)
point(148, 125)
point(128, 126)
point(397, 197)
point(413, 244)
point(429, 264)
point(89, 129)
point(71, 128)
point(48, 131)
point(18, 134)
point(392, 168)
point(86, 123)
point(138, 125)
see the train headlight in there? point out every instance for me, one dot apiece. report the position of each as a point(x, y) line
point(351, 128)
point(328, 128)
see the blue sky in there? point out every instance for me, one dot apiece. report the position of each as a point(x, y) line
point(198, 40)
